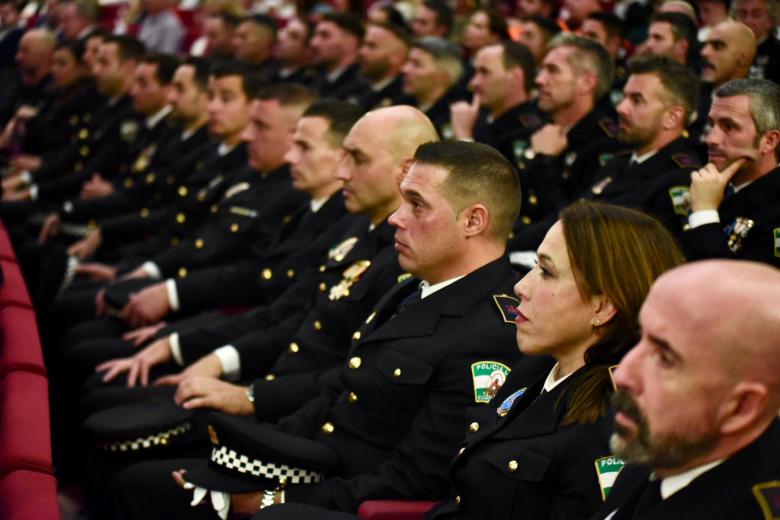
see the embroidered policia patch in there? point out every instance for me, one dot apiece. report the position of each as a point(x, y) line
point(681, 199)
point(768, 496)
point(507, 306)
point(504, 408)
point(488, 376)
point(777, 241)
point(607, 469)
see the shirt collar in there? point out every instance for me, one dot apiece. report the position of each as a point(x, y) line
point(673, 484)
point(225, 149)
point(316, 204)
point(551, 381)
point(642, 158)
point(428, 289)
point(152, 121)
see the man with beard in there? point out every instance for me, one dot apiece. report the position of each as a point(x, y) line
point(654, 173)
point(734, 198)
point(698, 396)
point(382, 54)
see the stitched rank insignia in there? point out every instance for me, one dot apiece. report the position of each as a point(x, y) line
point(487, 377)
point(684, 160)
point(681, 199)
point(598, 188)
point(610, 127)
point(350, 276)
point(737, 231)
point(507, 306)
point(341, 250)
point(607, 469)
point(243, 212)
point(403, 277)
point(776, 233)
point(530, 121)
point(768, 496)
point(506, 405)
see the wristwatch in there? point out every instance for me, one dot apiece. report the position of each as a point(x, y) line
point(250, 393)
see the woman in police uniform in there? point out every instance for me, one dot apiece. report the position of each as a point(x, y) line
point(543, 450)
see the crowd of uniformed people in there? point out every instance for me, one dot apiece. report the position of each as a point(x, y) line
point(318, 254)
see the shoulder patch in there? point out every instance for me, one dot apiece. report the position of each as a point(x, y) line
point(776, 233)
point(685, 160)
point(507, 307)
point(403, 277)
point(768, 496)
point(681, 199)
point(530, 121)
point(609, 126)
point(488, 377)
point(607, 470)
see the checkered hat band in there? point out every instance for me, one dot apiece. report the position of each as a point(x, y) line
point(227, 458)
point(143, 443)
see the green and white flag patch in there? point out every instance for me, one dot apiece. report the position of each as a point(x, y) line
point(488, 377)
point(607, 469)
point(777, 241)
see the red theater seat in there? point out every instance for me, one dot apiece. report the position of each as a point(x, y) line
point(25, 442)
point(6, 248)
point(28, 495)
point(20, 347)
point(394, 509)
point(13, 291)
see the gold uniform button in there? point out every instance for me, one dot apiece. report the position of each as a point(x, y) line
point(322, 268)
point(270, 377)
point(356, 335)
point(128, 183)
point(323, 287)
point(84, 151)
point(214, 208)
point(267, 274)
point(397, 372)
point(457, 500)
point(183, 191)
point(144, 212)
point(352, 397)
point(74, 120)
point(150, 177)
point(183, 272)
point(83, 133)
point(533, 200)
point(526, 220)
point(328, 428)
point(181, 218)
point(355, 362)
point(512, 466)
point(199, 243)
point(234, 228)
point(164, 441)
point(290, 273)
point(317, 325)
point(294, 348)
point(473, 427)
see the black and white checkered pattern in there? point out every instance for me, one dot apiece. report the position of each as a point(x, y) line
point(143, 443)
point(232, 460)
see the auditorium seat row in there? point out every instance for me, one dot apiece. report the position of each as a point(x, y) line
point(28, 489)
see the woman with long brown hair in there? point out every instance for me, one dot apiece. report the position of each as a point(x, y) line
point(543, 450)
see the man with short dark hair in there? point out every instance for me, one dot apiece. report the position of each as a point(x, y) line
point(218, 29)
point(336, 45)
point(432, 76)
point(671, 34)
point(77, 19)
point(383, 53)
point(733, 199)
point(293, 53)
point(253, 43)
point(537, 33)
point(697, 398)
point(432, 18)
point(501, 111)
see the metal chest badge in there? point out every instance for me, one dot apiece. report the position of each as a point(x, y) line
point(340, 251)
point(488, 376)
point(350, 276)
point(505, 406)
point(737, 231)
point(144, 158)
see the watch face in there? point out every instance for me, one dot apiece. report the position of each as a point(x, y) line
point(250, 393)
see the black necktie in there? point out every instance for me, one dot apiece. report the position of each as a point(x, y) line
point(410, 299)
point(729, 190)
point(650, 497)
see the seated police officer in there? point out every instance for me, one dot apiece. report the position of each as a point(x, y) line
point(697, 398)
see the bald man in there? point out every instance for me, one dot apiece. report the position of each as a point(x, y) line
point(33, 59)
point(727, 54)
point(698, 397)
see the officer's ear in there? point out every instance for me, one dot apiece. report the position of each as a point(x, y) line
point(476, 219)
point(769, 142)
point(603, 309)
point(743, 408)
point(403, 168)
point(674, 118)
point(588, 82)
